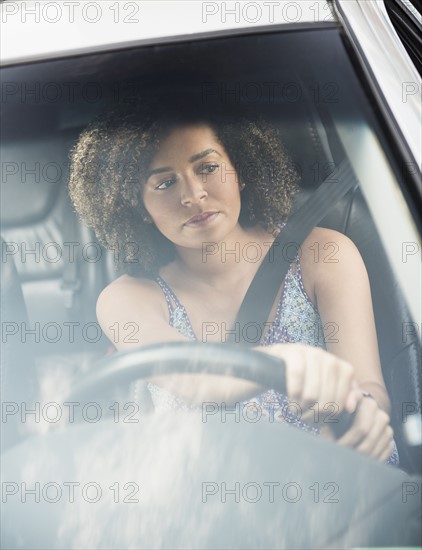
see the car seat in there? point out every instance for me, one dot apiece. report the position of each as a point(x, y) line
point(58, 262)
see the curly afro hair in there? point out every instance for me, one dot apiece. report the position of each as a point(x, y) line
point(111, 158)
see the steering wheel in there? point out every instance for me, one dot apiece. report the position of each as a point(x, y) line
point(197, 358)
point(181, 358)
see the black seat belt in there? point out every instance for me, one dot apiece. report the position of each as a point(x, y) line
point(259, 299)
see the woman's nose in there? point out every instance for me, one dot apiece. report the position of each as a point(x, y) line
point(193, 190)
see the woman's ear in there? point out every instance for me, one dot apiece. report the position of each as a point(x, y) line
point(242, 186)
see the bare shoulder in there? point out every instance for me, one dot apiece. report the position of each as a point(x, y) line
point(327, 255)
point(127, 285)
point(126, 295)
point(325, 238)
point(133, 312)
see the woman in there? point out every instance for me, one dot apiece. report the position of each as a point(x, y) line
point(187, 195)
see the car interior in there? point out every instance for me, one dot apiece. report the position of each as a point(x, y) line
point(53, 268)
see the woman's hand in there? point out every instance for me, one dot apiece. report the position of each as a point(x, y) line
point(371, 432)
point(318, 381)
point(323, 385)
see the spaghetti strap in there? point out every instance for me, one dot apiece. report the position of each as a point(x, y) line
point(301, 285)
point(171, 298)
point(178, 316)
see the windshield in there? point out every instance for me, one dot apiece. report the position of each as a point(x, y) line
point(303, 82)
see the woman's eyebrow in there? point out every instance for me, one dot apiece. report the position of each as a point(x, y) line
point(193, 158)
point(157, 171)
point(203, 154)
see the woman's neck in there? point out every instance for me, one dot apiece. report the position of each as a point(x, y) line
point(226, 262)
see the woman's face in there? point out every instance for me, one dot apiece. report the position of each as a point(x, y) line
point(192, 190)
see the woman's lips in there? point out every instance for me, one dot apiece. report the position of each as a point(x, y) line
point(202, 219)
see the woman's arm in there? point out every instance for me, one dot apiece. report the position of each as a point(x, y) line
point(342, 293)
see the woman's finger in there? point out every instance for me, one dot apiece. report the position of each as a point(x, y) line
point(295, 370)
point(380, 440)
point(327, 401)
point(345, 384)
point(312, 379)
point(361, 427)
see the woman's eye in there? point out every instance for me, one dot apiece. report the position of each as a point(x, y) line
point(165, 184)
point(209, 169)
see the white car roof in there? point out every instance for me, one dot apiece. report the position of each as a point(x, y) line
point(48, 29)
